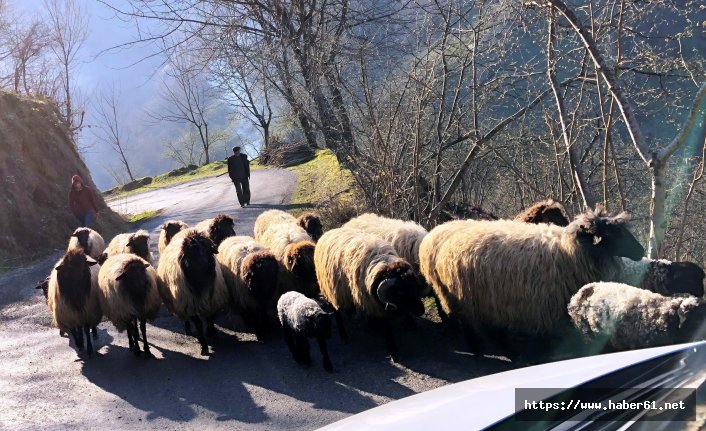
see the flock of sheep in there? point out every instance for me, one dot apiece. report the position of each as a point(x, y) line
point(516, 286)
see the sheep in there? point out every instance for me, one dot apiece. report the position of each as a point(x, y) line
point(167, 231)
point(73, 296)
point(129, 293)
point(250, 271)
point(89, 240)
point(137, 243)
point(191, 281)
point(546, 211)
point(303, 318)
point(218, 228)
point(662, 276)
point(627, 317)
point(311, 223)
point(519, 276)
point(359, 271)
point(293, 248)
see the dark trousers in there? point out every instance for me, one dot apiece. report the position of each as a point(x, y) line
point(86, 219)
point(242, 189)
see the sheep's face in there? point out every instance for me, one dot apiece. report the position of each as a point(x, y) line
point(682, 277)
point(222, 227)
point(319, 325)
point(299, 259)
point(398, 289)
point(135, 280)
point(260, 270)
point(44, 285)
point(692, 320)
point(82, 234)
point(197, 260)
point(311, 223)
point(605, 235)
point(172, 228)
point(139, 245)
point(73, 274)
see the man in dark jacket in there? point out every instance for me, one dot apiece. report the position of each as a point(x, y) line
point(239, 172)
point(82, 202)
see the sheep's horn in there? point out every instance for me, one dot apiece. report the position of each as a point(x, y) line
point(382, 291)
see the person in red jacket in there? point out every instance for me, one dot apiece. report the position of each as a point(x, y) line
point(82, 202)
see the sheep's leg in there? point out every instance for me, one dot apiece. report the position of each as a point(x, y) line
point(94, 332)
point(474, 338)
point(187, 328)
point(130, 337)
point(390, 340)
point(89, 343)
point(339, 324)
point(289, 339)
point(143, 328)
point(196, 320)
point(135, 337)
point(211, 328)
point(328, 366)
point(303, 347)
point(261, 326)
point(440, 311)
point(78, 338)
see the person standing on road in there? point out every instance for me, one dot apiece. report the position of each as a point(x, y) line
point(82, 202)
point(239, 173)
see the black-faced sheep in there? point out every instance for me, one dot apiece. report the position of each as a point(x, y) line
point(358, 270)
point(311, 223)
point(627, 317)
point(293, 248)
point(129, 294)
point(302, 318)
point(167, 231)
point(250, 272)
point(90, 241)
point(519, 276)
point(191, 282)
point(662, 276)
point(137, 243)
point(546, 211)
point(218, 228)
point(74, 296)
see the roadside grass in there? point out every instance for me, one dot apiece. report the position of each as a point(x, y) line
point(212, 169)
point(144, 216)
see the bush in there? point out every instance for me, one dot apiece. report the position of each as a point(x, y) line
point(284, 154)
point(136, 184)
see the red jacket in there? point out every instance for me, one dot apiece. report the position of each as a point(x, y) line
point(81, 201)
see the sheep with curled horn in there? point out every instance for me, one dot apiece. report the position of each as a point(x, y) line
point(293, 248)
point(88, 240)
point(73, 296)
point(168, 229)
point(218, 228)
point(137, 243)
point(250, 272)
point(624, 317)
point(546, 211)
point(191, 282)
point(129, 295)
point(519, 276)
point(359, 271)
point(311, 223)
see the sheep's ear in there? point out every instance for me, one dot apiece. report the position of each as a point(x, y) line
point(120, 276)
point(147, 265)
point(90, 261)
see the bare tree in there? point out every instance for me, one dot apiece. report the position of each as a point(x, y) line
point(68, 28)
point(109, 129)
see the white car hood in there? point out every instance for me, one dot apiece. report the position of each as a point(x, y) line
point(478, 403)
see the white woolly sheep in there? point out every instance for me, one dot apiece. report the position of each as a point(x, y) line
point(662, 276)
point(137, 243)
point(90, 241)
point(302, 318)
point(627, 317)
point(191, 282)
point(358, 270)
point(129, 294)
point(519, 276)
point(168, 229)
point(74, 296)
point(218, 228)
point(293, 248)
point(250, 272)
point(546, 211)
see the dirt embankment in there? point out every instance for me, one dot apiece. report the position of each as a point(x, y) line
point(37, 160)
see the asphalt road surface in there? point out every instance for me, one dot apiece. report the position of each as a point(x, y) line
point(245, 385)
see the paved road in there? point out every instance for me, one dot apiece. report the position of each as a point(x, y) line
point(244, 385)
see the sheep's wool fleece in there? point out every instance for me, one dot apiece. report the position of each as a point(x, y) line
point(632, 318)
point(162, 243)
point(231, 254)
point(506, 273)
point(95, 241)
point(347, 261)
point(295, 309)
point(64, 316)
point(116, 305)
point(268, 218)
point(405, 236)
point(119, 243)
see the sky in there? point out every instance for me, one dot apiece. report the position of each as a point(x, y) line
point(136, 77)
